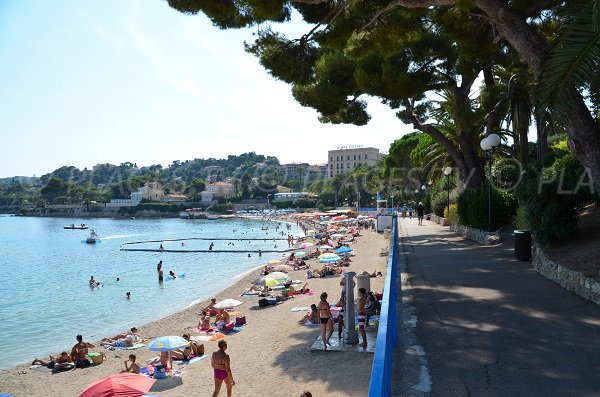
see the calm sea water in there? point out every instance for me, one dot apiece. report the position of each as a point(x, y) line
point(45, 299)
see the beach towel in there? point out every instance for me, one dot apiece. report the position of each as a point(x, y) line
point(192, 360)
point(204, 331)
point(255, 293)
point(202, 338)
point(216, 336)
point(136, 346)
point(6, 395)
point(41, 368)
point(309, 324)
point(300, 309)
point(235, 330)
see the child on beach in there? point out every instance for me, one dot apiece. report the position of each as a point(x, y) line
point(134, 367)
point(340, 325)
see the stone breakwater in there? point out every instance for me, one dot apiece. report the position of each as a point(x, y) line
point(570, 280)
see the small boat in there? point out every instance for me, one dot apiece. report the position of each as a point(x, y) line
point(93, 238)
point(212, 218)
point(83, 226)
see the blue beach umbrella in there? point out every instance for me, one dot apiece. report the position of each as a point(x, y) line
point(343, 250)
point(167, 344)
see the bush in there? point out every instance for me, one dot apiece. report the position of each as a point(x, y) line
point(473, 208)
point(453, 215)
point(439, 202)
point(221, 208)
point(550, 199)
point(521, 220)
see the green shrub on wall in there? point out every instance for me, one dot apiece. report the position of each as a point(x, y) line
point(473, 208)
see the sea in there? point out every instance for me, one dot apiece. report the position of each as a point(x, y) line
point(45, 297)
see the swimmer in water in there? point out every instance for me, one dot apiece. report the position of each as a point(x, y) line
point(128, 295)
point(172, 274)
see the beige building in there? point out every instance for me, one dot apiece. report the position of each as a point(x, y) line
point(345, 158)
point(221, 189)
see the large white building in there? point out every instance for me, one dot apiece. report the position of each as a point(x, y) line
point(345, 158)
point(293, 171)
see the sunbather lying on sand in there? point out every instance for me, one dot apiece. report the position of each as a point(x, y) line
point(193, 348)
point(60, 362)
point(128, 341)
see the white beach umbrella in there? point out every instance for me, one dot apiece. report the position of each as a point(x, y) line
point(227, 303)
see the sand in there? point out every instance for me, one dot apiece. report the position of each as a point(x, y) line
point(270, 357)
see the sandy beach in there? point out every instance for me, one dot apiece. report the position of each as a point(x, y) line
point(271, 356)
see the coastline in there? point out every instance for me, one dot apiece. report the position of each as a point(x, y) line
point(278, 325)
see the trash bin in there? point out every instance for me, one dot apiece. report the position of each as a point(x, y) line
point(386, 233)
point(523, 245)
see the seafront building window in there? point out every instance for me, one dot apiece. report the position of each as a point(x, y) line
point(365, 156)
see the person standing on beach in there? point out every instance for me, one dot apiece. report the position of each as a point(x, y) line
point(160, 276)
point(222, 369)
point(325, 318)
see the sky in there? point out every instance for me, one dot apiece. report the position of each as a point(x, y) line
point(110, 81)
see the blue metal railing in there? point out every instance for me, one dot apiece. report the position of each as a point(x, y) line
point(381, 372)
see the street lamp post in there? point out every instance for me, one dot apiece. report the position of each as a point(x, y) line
point(488, 144)
point(447, 172)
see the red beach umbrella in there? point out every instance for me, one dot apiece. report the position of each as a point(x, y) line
point(121, 385)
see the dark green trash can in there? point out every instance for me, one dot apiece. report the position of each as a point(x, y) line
point(523, 245)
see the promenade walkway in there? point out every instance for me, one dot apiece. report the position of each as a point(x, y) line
point(491, 326)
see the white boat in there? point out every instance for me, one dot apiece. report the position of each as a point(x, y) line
point(93, 238)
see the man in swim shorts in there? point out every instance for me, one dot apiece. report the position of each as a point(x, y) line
point(362, 314)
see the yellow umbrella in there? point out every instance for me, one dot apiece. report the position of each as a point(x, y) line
point(274, 262)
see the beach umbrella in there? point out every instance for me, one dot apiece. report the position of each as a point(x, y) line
point(125, 384)
point(311, 231)
point(299, 254)
point(285, 268)
point(324, 247)
point(274, 262)
point(342, 230)
point(267, 281)
point(306, 245)
point(167, 344)
point(337, 235)
point(326, 254)
point(330, 259)
point(330, 242)
point(343, 250)
point(279, 276)
point(227, 303)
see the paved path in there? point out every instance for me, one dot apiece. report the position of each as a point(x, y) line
point(491, 326)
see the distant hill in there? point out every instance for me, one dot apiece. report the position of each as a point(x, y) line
point(26, 180)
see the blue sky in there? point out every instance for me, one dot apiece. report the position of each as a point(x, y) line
point(95, 81)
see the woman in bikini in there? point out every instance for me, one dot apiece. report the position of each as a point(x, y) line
point(193, 348)
point(325, 318)
point(222, 369)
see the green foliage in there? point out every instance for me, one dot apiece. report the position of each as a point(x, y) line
point(521, 219)
point(473, 208)
point(439, 202)
point(550, 199)
point(221, 208)
point(452, 216)
point(282, 204)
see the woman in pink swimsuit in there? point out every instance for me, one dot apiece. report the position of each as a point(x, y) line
point(221, 365)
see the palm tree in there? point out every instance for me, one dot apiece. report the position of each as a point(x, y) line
point(574, 63)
